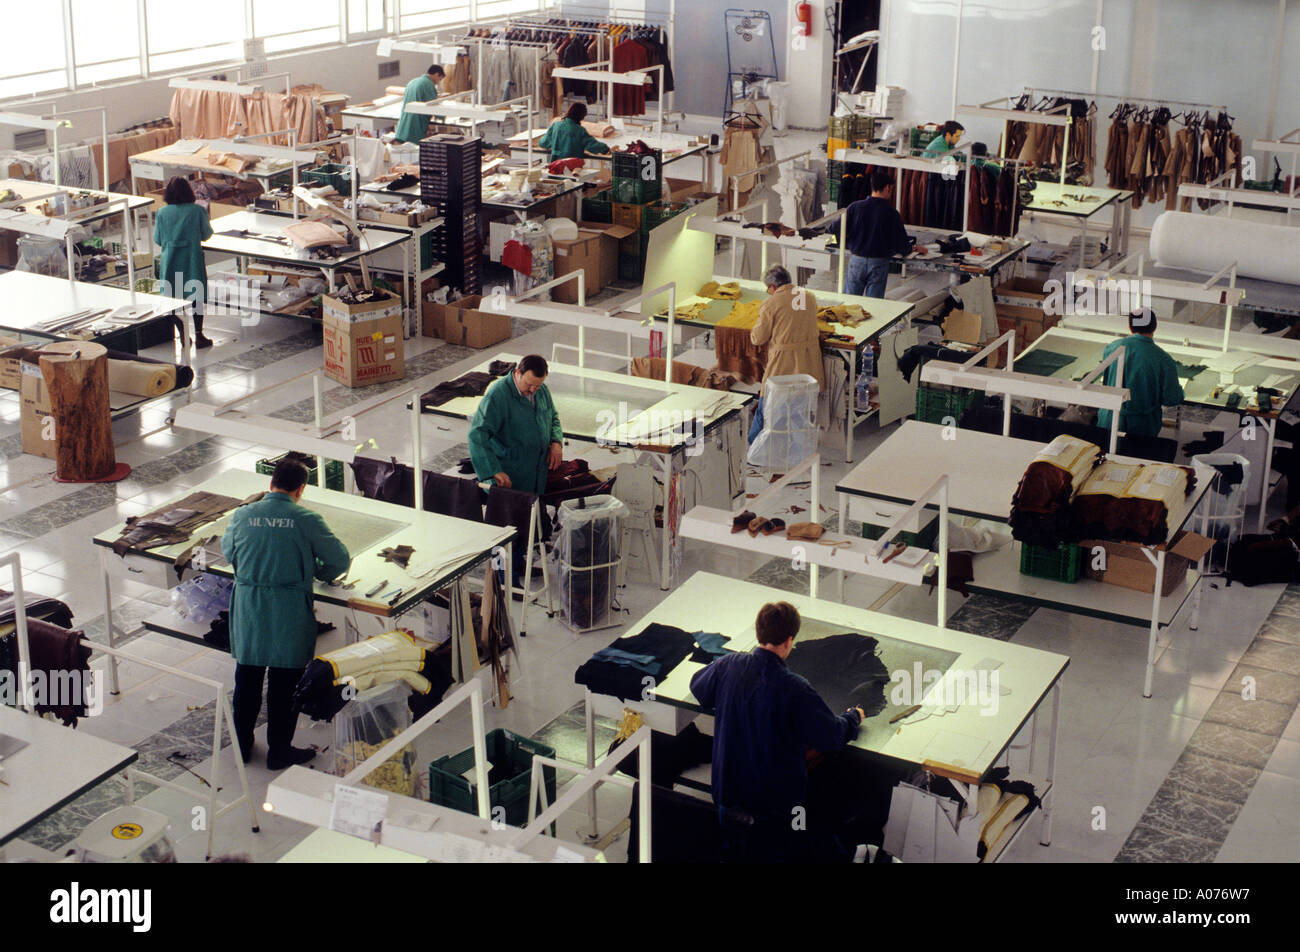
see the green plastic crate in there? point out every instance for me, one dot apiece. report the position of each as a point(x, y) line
point(933, 404)
point(427, 255)
point(659, 213)
point(599, 208)
point(1061, 563)
point(339, 176)
point(509, 776)
point(631, 267)
point(648, 167)
point(922, 540)
point(333, 469)
point(635, 191)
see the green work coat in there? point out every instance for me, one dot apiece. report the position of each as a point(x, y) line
point(180, 231)
point(937, 147)
point(512, 436)
point(276, 547)
point(413, 127)
point(567, 139)
point(1152, 380)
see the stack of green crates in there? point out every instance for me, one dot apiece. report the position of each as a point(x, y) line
point(658, 213)
point(632, 255)
point(934, 404)
point(638, 179)
point(1060, 563)
point(599, 208)
point(509, 777)
point(333, 469)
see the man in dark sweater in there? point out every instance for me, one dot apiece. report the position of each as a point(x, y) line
point(767, 718)
point(875, 233)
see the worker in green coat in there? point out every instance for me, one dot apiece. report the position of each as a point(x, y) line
point(568, 139)
point(275, 548)
point(947, 139)
point(515, 437)
point(413, 127)
point(179, 229)
point(1150, 375)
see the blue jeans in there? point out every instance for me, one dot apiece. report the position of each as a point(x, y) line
point(867, 276)
point(756, 427)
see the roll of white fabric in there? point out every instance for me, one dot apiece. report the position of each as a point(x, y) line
point(1207, 243)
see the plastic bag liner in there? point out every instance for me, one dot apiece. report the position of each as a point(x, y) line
point(586, 553)
point(790, 434)
point(369, 721)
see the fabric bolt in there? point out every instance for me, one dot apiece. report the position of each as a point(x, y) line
point(180, 230)
point(766, 717)
point(789, 332)
point(1151, 377)
point(276, 548)
point(510, 434)
point(669, 645)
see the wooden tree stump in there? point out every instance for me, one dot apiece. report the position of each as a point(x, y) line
point(76, 375)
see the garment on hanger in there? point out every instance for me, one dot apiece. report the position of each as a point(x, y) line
point(629, 100)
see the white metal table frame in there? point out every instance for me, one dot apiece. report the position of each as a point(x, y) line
point(975, 502)
point(1121, 214)
point(671, 700)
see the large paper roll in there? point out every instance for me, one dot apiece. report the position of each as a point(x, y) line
point(143, 380)
point(1208, 243)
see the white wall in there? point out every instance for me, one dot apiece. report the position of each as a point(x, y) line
point(1192, 50)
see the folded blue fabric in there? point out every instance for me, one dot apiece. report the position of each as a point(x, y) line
point(711, 642)
point(642, 662)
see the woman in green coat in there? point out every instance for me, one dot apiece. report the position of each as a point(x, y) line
point(275, 548)
point(567, 139)
point(179, 229)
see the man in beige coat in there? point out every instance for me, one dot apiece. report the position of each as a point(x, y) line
point(787, 324)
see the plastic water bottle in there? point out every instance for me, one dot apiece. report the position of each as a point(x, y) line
point(865, 373)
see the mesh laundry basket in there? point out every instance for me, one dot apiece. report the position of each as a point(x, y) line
point(587, 561)
point(538, 240)
point(789, 435)
point(1224, 505)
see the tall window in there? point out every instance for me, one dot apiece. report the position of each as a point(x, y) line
point(37, 64)
point(294, 26)
point(425, 14)
point(105, 40)
point(366, 18)
point(183, 35)
point(500, 8)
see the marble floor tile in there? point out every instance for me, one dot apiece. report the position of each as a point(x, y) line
point(1259, 716)
point(1212, 777)
point(1149, 844)
point(1232, 744)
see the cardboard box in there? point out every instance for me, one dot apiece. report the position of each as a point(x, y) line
point(435, 317)
point(463, 323)
point(1029, 323)
point(35, 399)
point(610, 238)
point(1128, 567)
point(581, 254)
point(962, 326)
point(1025, 292)
point(400, 219)
point(363, 342)
point(358, 353)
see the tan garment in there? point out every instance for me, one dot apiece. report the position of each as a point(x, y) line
point(790, 333)
point(740, 154)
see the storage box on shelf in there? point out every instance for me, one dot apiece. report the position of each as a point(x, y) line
point(936, 403)
point(1060, 563)
point(363, 342)
point(509, 777)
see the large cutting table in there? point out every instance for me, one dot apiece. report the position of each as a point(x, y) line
point(986, 469)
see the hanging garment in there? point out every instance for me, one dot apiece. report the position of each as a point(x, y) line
point(1116, 150)
point(58, 653)
point(451, 496)
point(740, 155)
point(629, 100)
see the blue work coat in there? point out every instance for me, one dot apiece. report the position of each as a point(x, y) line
point(276, 547)
point(766, 719)
point(512, 436)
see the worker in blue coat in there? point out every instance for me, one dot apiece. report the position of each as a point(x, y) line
point(179, 229)
point(275, 548)
point(413, 127)
point(1150, 375)
point(515, 437)
point(766, 719)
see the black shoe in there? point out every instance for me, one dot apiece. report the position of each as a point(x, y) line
point(245, 749)
point(201, 342)
point(290, 758)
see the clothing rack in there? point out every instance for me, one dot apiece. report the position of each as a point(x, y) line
point(1051, 117)
point(1034, 90)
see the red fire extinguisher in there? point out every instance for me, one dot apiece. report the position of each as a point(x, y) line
point(803, 16)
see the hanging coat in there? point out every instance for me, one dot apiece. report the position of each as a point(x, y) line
point(180, 230)
point(276, 547)
point(793, 344)
point(1151, 377)
point(513, 436)
point(413, 127)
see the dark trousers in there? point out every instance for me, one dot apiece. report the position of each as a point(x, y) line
point(280, 717)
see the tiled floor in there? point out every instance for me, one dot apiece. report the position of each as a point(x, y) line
point(1196, 772)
